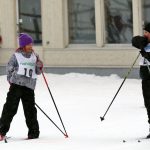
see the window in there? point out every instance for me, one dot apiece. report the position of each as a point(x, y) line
point(81, 21)
point(118, 21)
point(30, 18)
point(146, 11)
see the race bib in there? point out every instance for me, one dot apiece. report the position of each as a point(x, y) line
point(26, 65)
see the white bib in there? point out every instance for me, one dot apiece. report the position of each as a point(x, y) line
point(144, 61)
point(26, 65)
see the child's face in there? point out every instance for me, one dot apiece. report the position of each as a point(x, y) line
point(28, 48)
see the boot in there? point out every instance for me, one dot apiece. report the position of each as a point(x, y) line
point(2, 137)
point(33, 134)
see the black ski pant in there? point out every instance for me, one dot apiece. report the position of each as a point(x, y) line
point(146, 95)
point(145, 76)
point(26, 95)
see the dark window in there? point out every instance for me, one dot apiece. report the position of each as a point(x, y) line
point(30, 19)
point(146, 11)
point(81, 21)
point(119, 23)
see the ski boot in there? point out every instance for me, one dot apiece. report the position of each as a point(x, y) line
point(2, 137)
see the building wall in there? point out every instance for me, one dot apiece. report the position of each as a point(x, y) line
point(56, 50)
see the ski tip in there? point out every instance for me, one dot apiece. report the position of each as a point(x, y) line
point(102, 118)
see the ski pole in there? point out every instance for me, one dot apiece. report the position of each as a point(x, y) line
point(102, 118)
point(51, 120)
point(52, 98)
point(54, 102)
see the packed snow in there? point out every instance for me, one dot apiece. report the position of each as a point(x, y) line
point(81, 99)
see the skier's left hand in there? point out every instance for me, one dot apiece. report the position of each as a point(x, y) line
point(39, 64)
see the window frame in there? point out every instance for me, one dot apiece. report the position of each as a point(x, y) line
point(100, 25)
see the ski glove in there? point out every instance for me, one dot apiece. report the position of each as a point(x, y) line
point(139, 42)
point(39, 64)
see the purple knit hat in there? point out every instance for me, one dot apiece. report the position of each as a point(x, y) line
point(24, 39)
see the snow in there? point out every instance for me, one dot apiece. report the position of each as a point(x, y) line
point(81, 100)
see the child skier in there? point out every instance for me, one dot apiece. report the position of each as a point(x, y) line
point(22, 70)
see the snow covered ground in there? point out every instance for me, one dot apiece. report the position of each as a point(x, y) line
point(81, 100)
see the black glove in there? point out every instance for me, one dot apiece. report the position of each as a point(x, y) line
point(139, 42)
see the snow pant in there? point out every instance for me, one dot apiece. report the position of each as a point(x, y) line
point(145, 76)
point(26, 95)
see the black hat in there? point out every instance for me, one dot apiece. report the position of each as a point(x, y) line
point(147, 27)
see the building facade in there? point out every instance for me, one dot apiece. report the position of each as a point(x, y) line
point(75, 33)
